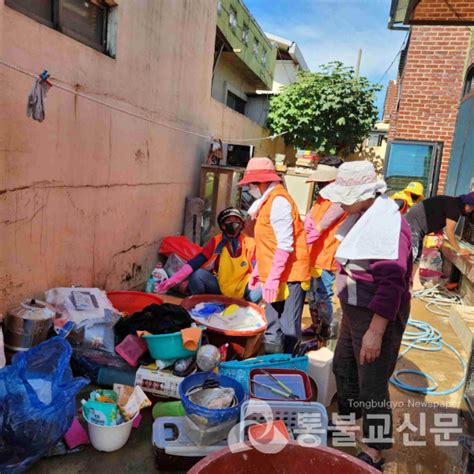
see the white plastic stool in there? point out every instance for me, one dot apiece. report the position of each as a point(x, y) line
point(320, 370)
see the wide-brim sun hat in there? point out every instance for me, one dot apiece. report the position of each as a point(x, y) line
point(323, 174)
point(356, 181)
point(259, 170)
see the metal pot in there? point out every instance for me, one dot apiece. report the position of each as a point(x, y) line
point(27, 324)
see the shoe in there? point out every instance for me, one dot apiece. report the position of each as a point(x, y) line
point(368, 459)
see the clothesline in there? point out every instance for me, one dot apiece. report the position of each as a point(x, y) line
point(55, 83)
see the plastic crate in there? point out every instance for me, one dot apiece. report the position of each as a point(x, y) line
point(240, 370)
point(306, 419)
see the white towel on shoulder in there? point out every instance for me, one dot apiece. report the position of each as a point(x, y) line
point(374, 236)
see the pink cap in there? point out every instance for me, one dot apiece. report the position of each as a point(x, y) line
point(260, 170)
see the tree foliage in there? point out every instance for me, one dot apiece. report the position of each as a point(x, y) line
point(330, 111)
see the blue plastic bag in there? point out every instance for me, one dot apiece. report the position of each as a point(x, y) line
point(37, 403)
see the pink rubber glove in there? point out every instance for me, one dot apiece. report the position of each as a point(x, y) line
point(270, 288)
point(312, 233)
point(177, 278)
point(254, 281)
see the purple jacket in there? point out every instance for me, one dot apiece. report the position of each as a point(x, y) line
point(383, 286)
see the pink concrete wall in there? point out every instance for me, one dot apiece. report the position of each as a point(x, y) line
point(86, 195)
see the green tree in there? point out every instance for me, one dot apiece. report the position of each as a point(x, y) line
point(331, 111)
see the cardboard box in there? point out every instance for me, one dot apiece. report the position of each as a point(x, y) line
point(461, 319)
point(160, 383)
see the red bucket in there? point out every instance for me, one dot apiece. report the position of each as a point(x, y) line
point(131, 302)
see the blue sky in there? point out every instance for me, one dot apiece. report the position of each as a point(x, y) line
point(329, 30)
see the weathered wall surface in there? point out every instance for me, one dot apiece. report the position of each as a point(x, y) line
point(86, 195)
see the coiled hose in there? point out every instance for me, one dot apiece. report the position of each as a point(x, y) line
point(425, 338)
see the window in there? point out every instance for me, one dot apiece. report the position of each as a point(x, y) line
point(85, 21)
point(469, 84)
point(264, 57)
point(413, 161)
point(233, 19)
point(245, 34)
point(375, 139)
point(219, 7)
point(235, 102)
point(256, 47)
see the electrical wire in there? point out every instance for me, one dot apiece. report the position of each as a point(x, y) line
point(438, 299)
point(394, 59)
point(55, 83)
point(425, 338)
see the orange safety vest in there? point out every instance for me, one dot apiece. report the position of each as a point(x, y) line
point(297, 267)
point(324, 249)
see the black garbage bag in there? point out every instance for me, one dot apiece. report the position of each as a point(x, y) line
point(157, 319)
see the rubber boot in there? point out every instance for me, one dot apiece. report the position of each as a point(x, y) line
point(312, 331)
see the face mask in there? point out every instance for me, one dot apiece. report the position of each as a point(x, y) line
point(232, 229)
point(254, 191)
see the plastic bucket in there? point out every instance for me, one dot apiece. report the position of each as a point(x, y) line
point(109, 438)
point(168, 346)
point(131, 302)
point(292, 458)
point(213, 417)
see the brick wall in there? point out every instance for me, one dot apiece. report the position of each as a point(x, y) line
point(443, 11)
point(430, 88)
point(390, 100)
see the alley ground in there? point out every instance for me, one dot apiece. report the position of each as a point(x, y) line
point(137, 456)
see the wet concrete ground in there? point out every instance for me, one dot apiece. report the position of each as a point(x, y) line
point(137, 456)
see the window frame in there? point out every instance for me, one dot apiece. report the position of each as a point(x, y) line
point(56, 24)
point(233, 13)
point(468, 87)
point(237, 98)
point(256, 47)
point(245, 34)
point(435, 165)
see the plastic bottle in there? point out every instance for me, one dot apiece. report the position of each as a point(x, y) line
point(157, 276)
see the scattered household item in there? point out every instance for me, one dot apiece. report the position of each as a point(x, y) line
point(168, 409)
point(279, 384)
point(272, 432)
point(109, 438)
point(27, 324)
point(180, 246)
point(131, 349)
point(79, 304)
point(320, 370)
point(131, 302)
point(292, 458)
point(305, 421)
point(156, 319)
point(184, 367)
point(158, 382)
point(207, 436)
point(76, 435)
point(245, 343)
point(168, 346)
point(158, 275)
point(107, 376)
point(191, 338)
point(111, 414)
point(240, 370)
point(193, 216)
point(431, 265)
point(88, 362)
point(37, 403)
point(36, 99)
point(208, 357)
point(207, 425)
point(174, 450)
point(215, 153)
point(174, 263)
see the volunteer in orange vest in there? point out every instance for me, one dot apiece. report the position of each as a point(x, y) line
point(282, 264)
point(227, 259)
point(321, 225)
